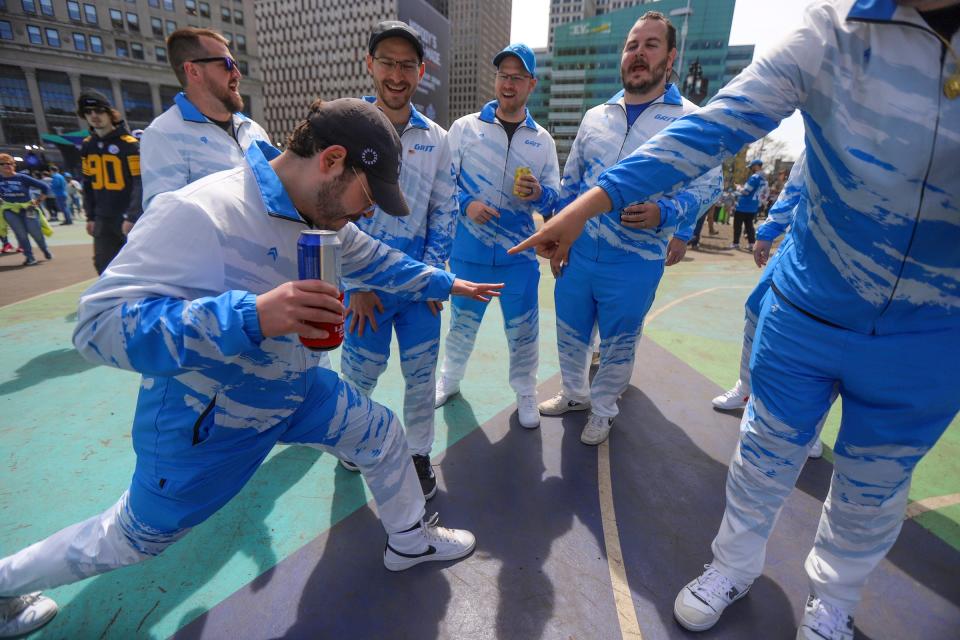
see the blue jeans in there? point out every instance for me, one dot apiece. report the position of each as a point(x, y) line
point(65, 207)
point(26, 223)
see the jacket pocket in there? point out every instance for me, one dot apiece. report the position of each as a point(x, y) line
point(200, 430)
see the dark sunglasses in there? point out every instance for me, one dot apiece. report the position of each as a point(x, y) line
point(87, 110)
point(228, 62)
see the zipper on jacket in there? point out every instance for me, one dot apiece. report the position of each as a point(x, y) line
point(923, 193)
point(926, 175)
point(203, 416)
point(503, 175)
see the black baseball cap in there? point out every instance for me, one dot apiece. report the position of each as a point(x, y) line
point(92, 99)
point(395, 29)
point(372, 145)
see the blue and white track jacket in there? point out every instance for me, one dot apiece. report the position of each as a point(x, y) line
point(180, 308)
point(426, 180)
point(877, 233)
point(602, 140)
point(181, 145)
point(484, 165)
point(750, 194)
point(780, 216)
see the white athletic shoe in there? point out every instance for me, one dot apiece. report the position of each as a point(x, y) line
point(699, 604)
point(597, 430)
point(822, 621)
point(446, 389)
point(560, 404)
point(426, 542)
point(527, 411)
point(735, 398)
point(23, 614)
point(816, 450)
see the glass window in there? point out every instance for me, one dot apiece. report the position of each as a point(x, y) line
point(225, 13)
point(6, 31)
point(154, 3)
point(90, 13)
point(171, 26)
point(133, 21)
point(167, 93)
point(116, 18)
point(242, 65)
point(156, 25)
point(73, 10)
point(56, 96)
point(191, 6)
point(29, 6)
point(137, 102)
point(79, 41)
point(122, 51)
point(53, 37)
point(97, 83)
point(18, 122)
point(136, 50)
point(161, 53)
point(46, 7)
point(205, 9)
point(241, 43)
point(169, 6)
point(237, 16)
point(96, 44)
point(33, 34)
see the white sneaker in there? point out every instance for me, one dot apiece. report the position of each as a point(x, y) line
point(446, 389)
point(822, 621)
point(560, 404)
point(527, 412)
point(699, 604)
point(816, 450)
point(23, 614)
point(597, 430)
point(735, 398)
point(427, 542)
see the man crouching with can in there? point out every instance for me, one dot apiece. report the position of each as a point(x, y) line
point(204, 301)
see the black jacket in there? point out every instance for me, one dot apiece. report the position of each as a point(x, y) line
point(111, 175)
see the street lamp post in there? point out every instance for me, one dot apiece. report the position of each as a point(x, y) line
point(686, 12)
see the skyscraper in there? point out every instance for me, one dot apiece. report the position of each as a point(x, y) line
point(51, 51)
point(481, 28)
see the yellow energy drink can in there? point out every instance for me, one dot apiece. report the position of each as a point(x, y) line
point(519, 173)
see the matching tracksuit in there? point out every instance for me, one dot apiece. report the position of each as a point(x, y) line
point(748, 205)
point(111, 189)
point(484, 165)
point(182, 145)
point(866, 299)
point(613, 271)
point(180, 308)
point(425, 235)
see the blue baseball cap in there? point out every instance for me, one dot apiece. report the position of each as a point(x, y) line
point(755, 162)
point(521, 51)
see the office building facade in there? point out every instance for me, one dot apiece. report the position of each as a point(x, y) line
point(586, 58)
point(50, 51)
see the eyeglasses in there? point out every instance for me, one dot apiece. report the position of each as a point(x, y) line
point(406, 66)
point(87, 110)
point(503, 77)
point(370, 207)
point(228, 63)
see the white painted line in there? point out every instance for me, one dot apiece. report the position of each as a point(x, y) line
point(623, 599)
point(653, 314)
point(86, 283)
point(920, 507)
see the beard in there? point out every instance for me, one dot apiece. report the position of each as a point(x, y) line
point(392, 100)
point(657, 75)
point(329, 208)
point(230, 100)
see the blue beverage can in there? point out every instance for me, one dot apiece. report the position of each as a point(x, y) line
point(318, 258)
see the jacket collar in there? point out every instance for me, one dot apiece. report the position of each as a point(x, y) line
point(489, 114)
point(274, 196)
point(670, 96)
point(190, 113)
point(416, 119)
point(872, 10)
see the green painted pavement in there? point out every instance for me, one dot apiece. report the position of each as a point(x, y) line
point(61, 414)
